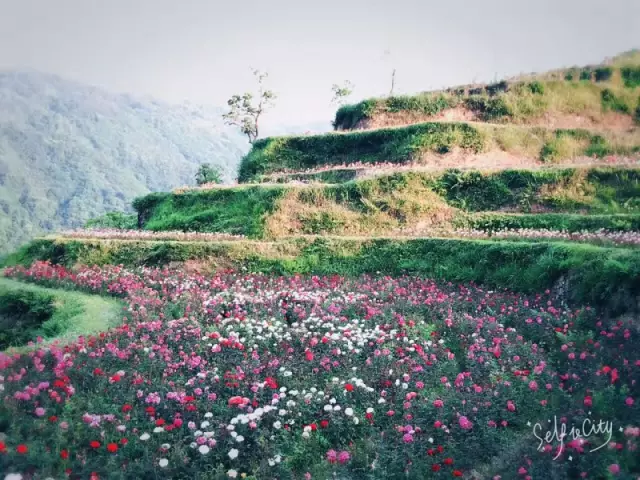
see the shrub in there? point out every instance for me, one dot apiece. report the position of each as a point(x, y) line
point(631, 76)
point(489, 108)
point(22, 313)
point(536, 87)
point(348, 116)
point(602, 74)
point(208, 174)
point(117, 220)
point(586, 74)
point(611, 102)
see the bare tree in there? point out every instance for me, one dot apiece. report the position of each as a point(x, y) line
point(244, 114)
point(387, 55)
point(340, 93)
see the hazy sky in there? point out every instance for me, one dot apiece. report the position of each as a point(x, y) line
point(201, 50)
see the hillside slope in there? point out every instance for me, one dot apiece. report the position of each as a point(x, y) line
point(70, 152)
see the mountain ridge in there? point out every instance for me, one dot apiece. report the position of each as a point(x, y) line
point(70, 151)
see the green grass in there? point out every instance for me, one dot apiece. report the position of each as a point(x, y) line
point(28, 311)
point(408, 144)
point(394, 145)
point(239, 211)
point(597, 275)
point(382, 204)
point(574, 91)
point(491, 221)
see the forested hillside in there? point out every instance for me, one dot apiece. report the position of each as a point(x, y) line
point(70, 152)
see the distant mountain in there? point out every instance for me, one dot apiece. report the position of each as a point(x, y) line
point(70, 152)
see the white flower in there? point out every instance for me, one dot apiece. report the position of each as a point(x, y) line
point(232, 473)
point(348, 411)
point(144, 437)
point(328, 408)
point(163, 462)
point(13, 476)
point(370, 410)
point(203, 449)
point(204, 424)
point(305, 434)
point(356, 420)
point(277, 424)
point(208, 415)
point(158, 429)
point(165, 446)
point(337, 408)
point(233, 453)
point(239, 438)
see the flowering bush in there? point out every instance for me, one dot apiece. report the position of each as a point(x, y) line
point(319, 377)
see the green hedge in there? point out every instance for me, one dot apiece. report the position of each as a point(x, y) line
point(553, 221)
point(595, 275)
point(394, 145)
point(238, 211)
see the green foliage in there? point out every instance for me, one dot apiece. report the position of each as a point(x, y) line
point(118, 220)
point(71, 152)
point(552, 221)
point(611, 102)
point(238, 211)
point(22, 313)
point(395, 145)
point(603, 74)
point(341, 93)
point(348, 116)
point(28, 311)
point(631, 76)
point(208, 174)
point(586, 74)
point(244, 114)
point(536, 87)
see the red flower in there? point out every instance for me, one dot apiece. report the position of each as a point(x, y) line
point(435, 467)
point(112, 448)
point(123, 441)
point(53, 419)
point(150, 410)
point(324, 423)
point(3, 447)
point(64, 454)
point(126, 408)
point(448, 461)
point(160, 422)
point(348, 387)
point(431, 452)
point(22, 449)
point(97, 371)
point(94, 444)
point(314, 427)
point(440, 449)
point(457, 473)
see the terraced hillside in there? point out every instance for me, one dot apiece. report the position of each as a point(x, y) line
point(405, 301)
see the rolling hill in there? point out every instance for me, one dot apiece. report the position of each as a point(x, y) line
point(70, 152)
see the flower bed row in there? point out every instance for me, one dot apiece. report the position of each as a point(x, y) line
point(599, 236)
point(118, 234)
point(313, 377)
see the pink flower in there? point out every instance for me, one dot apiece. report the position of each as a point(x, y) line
point(465, 423)
point(40, 411)
point(344, 457)
point(533, 385)
point(614, 468)
point(407, 438)
point(629, 401)
point(332, 456)
point(438, 403)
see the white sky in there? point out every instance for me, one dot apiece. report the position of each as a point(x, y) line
point(201, 51)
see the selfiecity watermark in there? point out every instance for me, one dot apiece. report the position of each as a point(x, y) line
point(560, 431)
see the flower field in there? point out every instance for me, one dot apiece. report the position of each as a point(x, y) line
point(254, 376)
point(599, 236)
